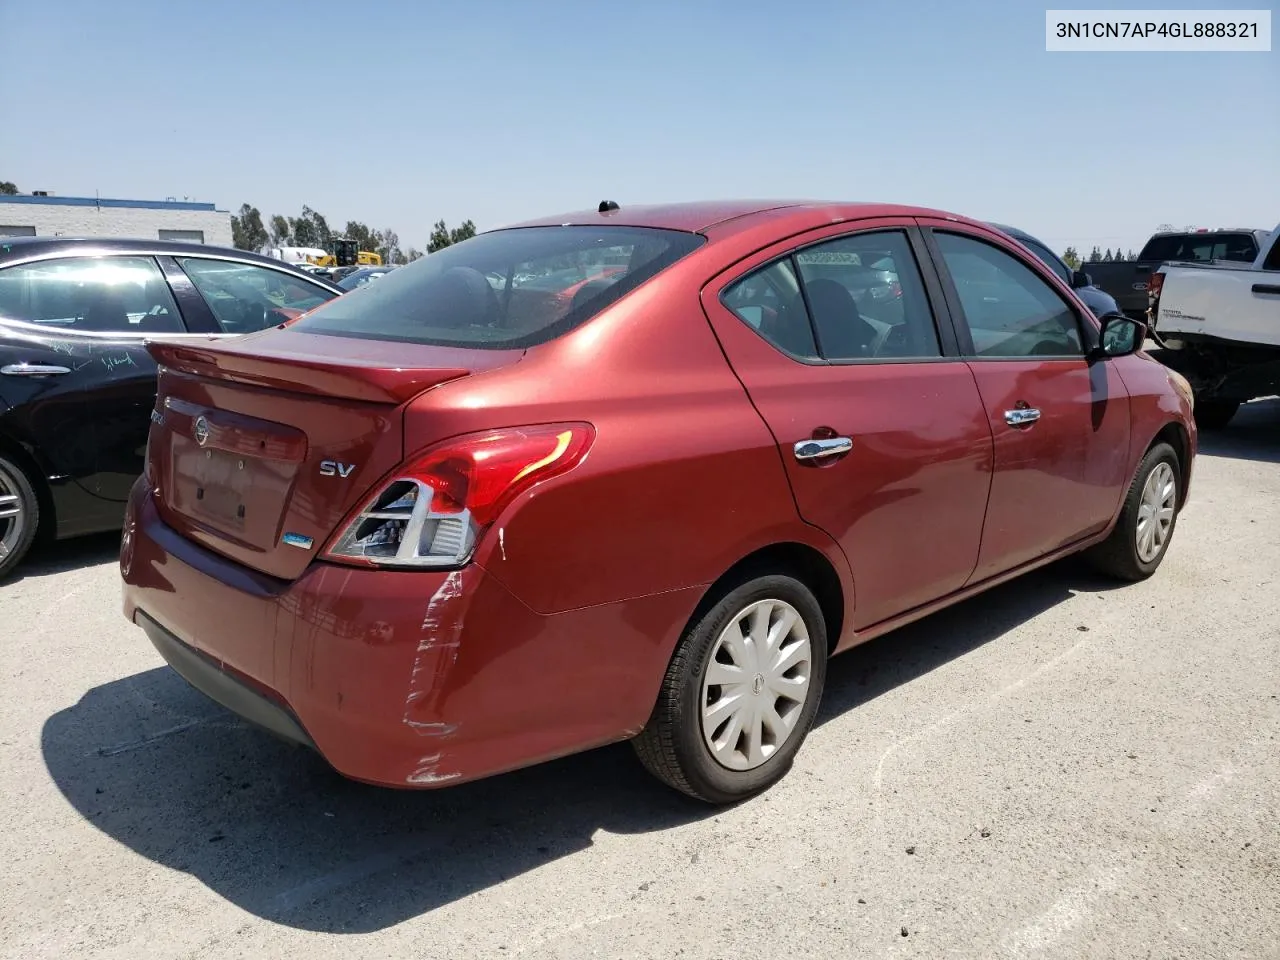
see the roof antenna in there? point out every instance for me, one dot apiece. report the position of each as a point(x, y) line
point(606, 206)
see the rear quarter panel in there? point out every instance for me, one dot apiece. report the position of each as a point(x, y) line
point(683, 478)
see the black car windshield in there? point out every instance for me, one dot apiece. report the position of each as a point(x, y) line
point(1201, 247)
point(506, 289)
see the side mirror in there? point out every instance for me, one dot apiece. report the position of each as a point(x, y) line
point(1080, 279)
point(1120, 336)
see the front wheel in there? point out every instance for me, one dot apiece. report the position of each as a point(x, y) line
point(740, 694)
point(1147, 519)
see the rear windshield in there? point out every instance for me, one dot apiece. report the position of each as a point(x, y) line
point(506, 289)
point(1201, 247)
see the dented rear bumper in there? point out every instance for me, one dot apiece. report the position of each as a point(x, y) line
point(410, 679)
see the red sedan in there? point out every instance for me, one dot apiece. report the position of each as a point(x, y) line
point(437, 536)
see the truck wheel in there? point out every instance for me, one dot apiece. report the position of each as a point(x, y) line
point(1215, 414)
point(19, 515)
point(740, 693)
point(1147, 518)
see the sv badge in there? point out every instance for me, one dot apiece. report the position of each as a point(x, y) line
point(332, 468)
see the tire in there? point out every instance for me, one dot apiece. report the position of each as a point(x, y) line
point(678, 747)
point(19, 515)
point(1215, 414)
point(1128, 553)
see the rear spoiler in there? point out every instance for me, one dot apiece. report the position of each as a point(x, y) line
point(371, 371)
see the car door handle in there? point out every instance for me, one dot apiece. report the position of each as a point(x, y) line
point(810, 450)
point(1266, 288)
point(33, 370)
point(1021, 417)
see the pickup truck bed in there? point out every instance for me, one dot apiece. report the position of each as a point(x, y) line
point(1128, 280)
point(1221, 324)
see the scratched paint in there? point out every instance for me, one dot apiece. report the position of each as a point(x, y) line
point(436, 653)
point(428, 771)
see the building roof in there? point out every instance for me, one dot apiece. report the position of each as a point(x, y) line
point(110, 202)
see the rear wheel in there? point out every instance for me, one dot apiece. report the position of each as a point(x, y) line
point(740, 694)
point(1215, 414)
point(19, 515)
point(1147, 519)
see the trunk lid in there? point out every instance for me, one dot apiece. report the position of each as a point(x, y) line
point(260, 447)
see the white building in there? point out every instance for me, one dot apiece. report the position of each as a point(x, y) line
point(44, 216)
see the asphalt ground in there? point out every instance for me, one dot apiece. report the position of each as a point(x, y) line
point(1060, 768)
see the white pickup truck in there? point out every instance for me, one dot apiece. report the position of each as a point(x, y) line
point(1220, 326)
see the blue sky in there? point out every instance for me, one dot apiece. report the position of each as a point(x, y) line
point(400, 113)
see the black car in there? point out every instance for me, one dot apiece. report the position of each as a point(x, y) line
point(1097, 300)
point(77, 385)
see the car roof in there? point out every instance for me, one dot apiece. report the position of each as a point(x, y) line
point(1014, 232)
point(728, 216)
point(23, 249)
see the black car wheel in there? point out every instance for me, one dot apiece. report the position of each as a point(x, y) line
point(1147, 519)
point(740, 694)
point(19, 514)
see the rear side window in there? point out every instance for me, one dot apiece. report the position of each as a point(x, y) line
point(1201, 247)
point(505, 289)
point(91, 295)
point(769, 302)
point(858, 297)
point(244, 297)
point(867, 299)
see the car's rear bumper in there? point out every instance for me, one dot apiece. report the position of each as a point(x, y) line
point(398, 678)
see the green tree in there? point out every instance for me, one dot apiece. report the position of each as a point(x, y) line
point(389, 247)
point(1132, 255)
point(442, 236)
point(247, 231)
point(464, 231)
point(1071, 258)
point(8, 189)
point(1106, 257)
point(439, 238)
point(1095, 255)
point(412, 254)
point(281, 234)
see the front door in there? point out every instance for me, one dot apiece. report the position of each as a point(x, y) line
point(1060, 421)
point(78, 370)
point(880, 426)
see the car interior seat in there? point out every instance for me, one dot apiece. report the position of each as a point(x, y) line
point(841, 329)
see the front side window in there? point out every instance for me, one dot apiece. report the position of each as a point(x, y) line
point(506, 289)
point(91, 295)
point(1009, 309)
point(245, 297)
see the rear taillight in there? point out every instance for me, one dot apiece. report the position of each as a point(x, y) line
point(1154, 286)
point(434, 511)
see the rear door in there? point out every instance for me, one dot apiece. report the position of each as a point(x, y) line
point(1060, 422)
point(74, 368)
point(878, 422)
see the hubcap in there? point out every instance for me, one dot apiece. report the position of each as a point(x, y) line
point(12, 517)
point(756, 684)
point(1155, 512)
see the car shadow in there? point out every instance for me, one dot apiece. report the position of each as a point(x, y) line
point(51, 557)
point(274, 830)
point(1252, 434)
